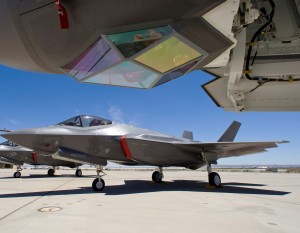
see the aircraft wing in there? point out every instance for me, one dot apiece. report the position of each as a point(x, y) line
point(176, 149)
point(218, 150)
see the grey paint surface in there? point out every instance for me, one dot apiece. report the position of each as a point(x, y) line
point(249, 202)
point(141, 145)
point(34, 25)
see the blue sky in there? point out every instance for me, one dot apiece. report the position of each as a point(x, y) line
point(35, 100)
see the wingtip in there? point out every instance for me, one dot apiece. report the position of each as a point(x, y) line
point(282, 141)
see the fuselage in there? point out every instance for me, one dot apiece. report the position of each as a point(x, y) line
point(79, 138)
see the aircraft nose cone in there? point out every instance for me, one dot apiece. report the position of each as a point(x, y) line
point(24, 138)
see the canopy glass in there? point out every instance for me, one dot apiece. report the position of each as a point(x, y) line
point(85, 121)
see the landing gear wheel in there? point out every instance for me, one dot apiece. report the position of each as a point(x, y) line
point(214, 179)
point(78, 173)
point(98, 184)
point(17, 174)
point(51, 172)
point(157, 176)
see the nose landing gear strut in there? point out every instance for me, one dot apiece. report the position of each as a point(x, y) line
point(17, 174)
point(98, 183)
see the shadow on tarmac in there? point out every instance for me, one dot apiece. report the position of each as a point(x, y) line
point(139, 186)
point(142, 186)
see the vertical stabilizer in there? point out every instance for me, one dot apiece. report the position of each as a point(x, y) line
point(188, 135)
point(230, 133)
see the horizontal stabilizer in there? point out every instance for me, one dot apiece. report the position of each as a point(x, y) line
point(230, 133)
point(188, 135)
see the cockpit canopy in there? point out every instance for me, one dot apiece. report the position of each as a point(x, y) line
point(85, 121)
point(8, 143)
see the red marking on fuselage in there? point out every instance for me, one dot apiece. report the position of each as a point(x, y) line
point(62, 14)
point(34, 156)
point(125, 147)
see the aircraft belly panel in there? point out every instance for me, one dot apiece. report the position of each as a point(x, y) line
point(88, 19)
point(40, 44)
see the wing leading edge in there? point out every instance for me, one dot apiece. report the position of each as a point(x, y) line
point(219, 150)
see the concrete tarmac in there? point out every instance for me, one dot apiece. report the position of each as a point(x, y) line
point(131, 202)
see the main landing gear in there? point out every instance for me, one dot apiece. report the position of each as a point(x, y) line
point(157, 176)
point(17, 174)
point(214, 178)
point(51, 171)
point(98, 183)
point(78, 172)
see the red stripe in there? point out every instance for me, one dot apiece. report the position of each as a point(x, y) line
point(34, 156)
point(62, 14)
point(125, 147)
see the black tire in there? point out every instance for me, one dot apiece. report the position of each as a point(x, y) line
point(214, 179)
point(51, 172)
point(78, 173)
point(157, 176)
point(98, 186)
point(17, 174)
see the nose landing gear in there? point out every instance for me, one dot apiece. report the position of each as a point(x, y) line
point(98, 183)
point(17, 174)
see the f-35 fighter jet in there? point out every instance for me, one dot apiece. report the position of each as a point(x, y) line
point(11, 153)
point(97, 140)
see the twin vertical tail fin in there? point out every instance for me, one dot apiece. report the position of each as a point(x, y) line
point(188, 135)
point(230, 133)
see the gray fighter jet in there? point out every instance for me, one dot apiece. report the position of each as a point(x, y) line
point(97, 140)
point(11, 153)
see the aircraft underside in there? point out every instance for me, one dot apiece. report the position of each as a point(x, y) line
point(251, 46)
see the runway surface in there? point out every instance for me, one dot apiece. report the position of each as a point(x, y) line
point(131, 202)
